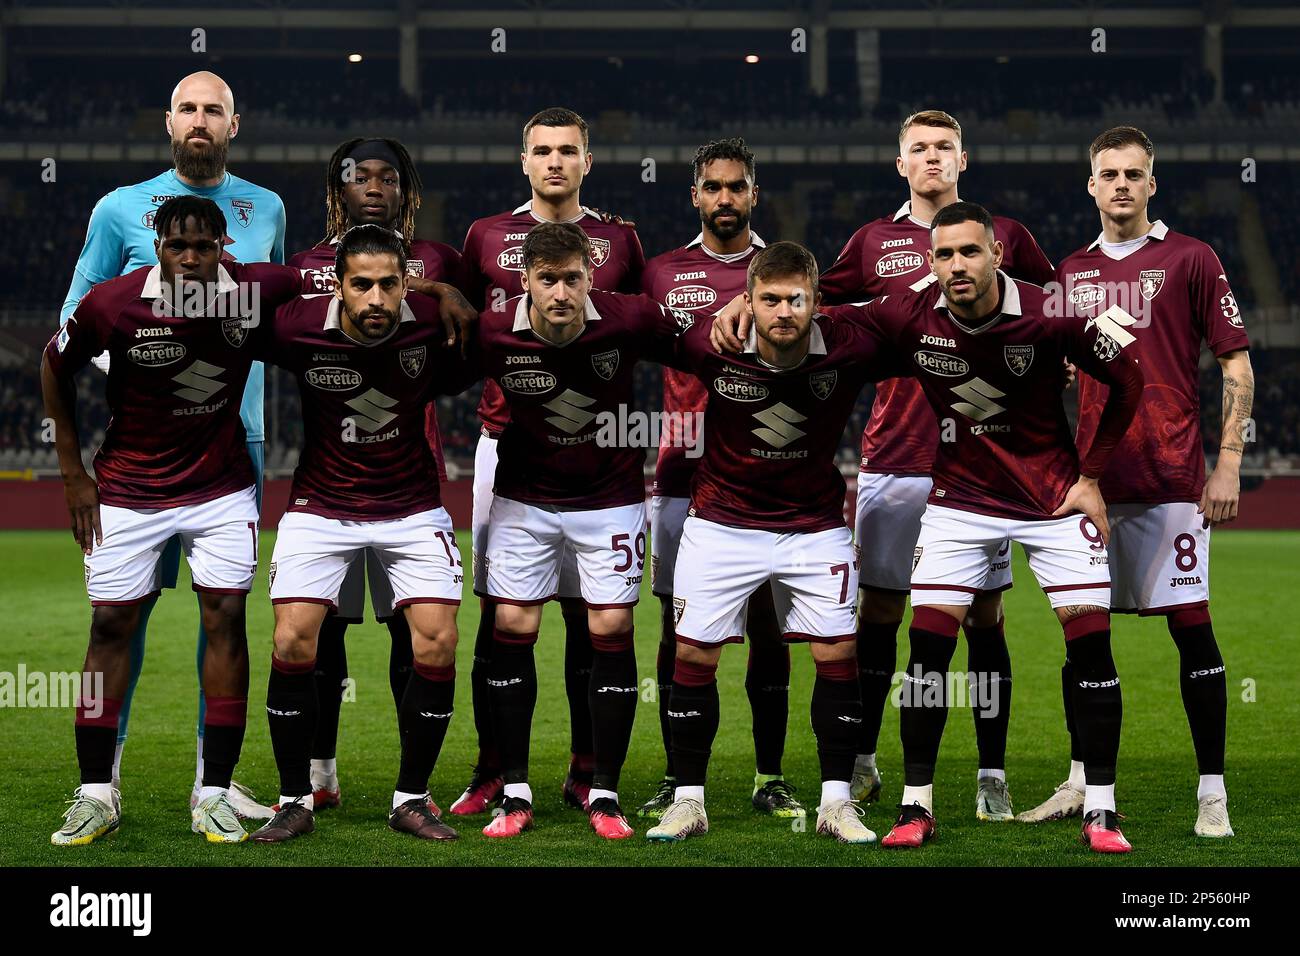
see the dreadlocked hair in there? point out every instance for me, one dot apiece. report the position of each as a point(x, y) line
point(336, 210)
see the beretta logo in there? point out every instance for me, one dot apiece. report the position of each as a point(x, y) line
point(899, 263)
point(333, 379)
point(739, 389)
point(690, 297)
point(154, 354)
point(940, 364)
point(528, 382)
point(512, 258)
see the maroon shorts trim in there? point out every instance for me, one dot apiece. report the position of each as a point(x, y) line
point(204, 589)
point(1167, 608)
point(139, 600)
point(406, 602)
point(798, 637)
point(502, 600)
point(1076, 587)
point(945, 587)
point(735, 639)
point(1006, 587)
point(305, 600)
point(607, 607)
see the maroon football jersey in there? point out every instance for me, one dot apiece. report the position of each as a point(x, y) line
point(365, 456)
point(1011, 454)
point(175, 381)
point(772, 435)
point(493, 261)
point(889, 256)
point(699, 281)
point(557, 447)
point(435, 261)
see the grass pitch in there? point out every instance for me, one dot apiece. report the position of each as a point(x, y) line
point(46, 619)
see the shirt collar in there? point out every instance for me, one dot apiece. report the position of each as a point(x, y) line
point(523, 325)
point(528, 208)
point(755, 242)
point(153, 282)
point(334, 320)
point(904, 211)
point(1010, 303)
point(335, 241)
point(1158, 231)
point(816, 341)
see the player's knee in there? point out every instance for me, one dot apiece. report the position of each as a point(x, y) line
point(223, 617)
point(617, 620)
point(514, 619)
point(881, 607)
point(985, 611)
point(826, 652)
point(435, 650)
point(111, 626)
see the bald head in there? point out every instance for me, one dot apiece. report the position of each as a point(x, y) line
point(201, 122)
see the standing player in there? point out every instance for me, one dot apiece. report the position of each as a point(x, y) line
point(767, 506)
point(367, 362)
point(173, 463)
point(1168, 293)
point(367, 181)
point(120, 238)
point(898, 452)
point(564, 357)
point(708, 271)
point(556, 160)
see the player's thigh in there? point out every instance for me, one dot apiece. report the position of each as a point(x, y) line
point(123, 568)
point(888, 520)
point(718, 568)
point(1068, 557)
point(667, 516)
point(311, 558)
point(1159, 557)
point(953, 552)
point(815, 586)
point(220, 542)
point(525, 544)
point(420, 558)
point(485, 469)
point(610, 547)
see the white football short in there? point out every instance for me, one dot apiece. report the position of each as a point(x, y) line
point(526, 545)
point(365, 568)
point(955, 548)
point(418, 554)
point(485, 470)
point(814, 577)
point(1159, 557)
point(889, 510)
point(667, 516)
point(219, 538)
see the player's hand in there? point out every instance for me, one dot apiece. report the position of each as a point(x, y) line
point(612, 218)
point(731, 326)
point(1221, 495)
point(1085, 496)
point(82, 496)
point(1071, 373)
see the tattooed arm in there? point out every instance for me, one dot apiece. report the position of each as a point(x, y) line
point(1223, 489)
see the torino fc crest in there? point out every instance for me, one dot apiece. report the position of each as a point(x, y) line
point(235, 331)
point(415, 267)
point(243, 212)
point(413, 360)
point(599, 251)
point(823, 383)
point(605, 364)
point(1019, 358)
point(1150, 282)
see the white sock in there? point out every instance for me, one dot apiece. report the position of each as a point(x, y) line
point(400, 798)
point(866, 760)
point(198, 764)
point(1211, 785)
point(1098, 798)
point(205, 792)
point(1076, 775)
point(308, 801)
point(100, 791)
point(833, 790)
point(117, 762)
point(520, 791)
point(602, 795)
point(324, 770)
point(995, 774)
point(689, 793)
point(922, 795)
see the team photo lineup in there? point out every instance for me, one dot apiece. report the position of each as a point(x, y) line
point(1019, 420)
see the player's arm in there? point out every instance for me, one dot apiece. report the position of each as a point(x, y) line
point(670, 337)
point(277, 248)
point(1100, 348)
point(1222, 492)
point(102, 257)
point(473, 281)
point(81, 337)
point(1031, 263)
point(635, 263)
point(453, 308)
point(844, 282)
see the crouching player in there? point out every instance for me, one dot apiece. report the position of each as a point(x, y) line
point(767, 505)
point(367, 361)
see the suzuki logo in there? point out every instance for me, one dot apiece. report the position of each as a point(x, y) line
point(979, 396)
point(200, 381)
point(571, 413)
point(370, 410)
point(780, 420)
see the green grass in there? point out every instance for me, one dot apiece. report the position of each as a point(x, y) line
point(45, 624)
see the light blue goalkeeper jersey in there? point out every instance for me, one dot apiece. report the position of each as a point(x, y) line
point(120, 239)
